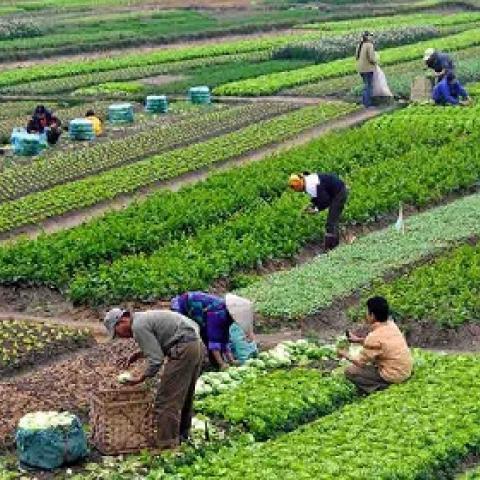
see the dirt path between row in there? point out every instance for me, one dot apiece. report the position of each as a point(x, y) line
point(78, 217)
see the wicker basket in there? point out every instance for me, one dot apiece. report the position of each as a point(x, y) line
point(122, 420)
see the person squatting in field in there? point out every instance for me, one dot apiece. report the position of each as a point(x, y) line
point(440, 62)
point(43, 121)
point(450, 91)
point(326, 190)
point(226, 325)
point(160, 335)
point(385, 358)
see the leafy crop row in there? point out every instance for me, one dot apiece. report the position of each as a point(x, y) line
point(143, 228)
point(278, 228)
point(92, 190)
point(74, 82)
point(23, 343)
point(88, 160)
point(269, 84)
point(279, 401)
point(330, 48)
point(69, 68)
point(299, 291)
point(444, 290)
point(429, 423)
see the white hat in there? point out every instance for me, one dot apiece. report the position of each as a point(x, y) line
point(241, 310)
point(428, 53)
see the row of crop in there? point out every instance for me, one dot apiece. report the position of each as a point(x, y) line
point(269, 84)
point(359, 24)
point(299, 292)
point(88, 160)
point(331, 48)
point(430, 424)
point(277, 229)
point(92, 190)
point(54, 259)
point(25, 343)
point(146, 227)
point(74, 82)
point(399, 77)
point(279, 401)
point(444, 291)
point(69, 68)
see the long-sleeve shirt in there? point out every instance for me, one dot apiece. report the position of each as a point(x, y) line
point(38, 125)
point(440, 61)
point(210, 313)
point(366, 58)
point(156, 331)
point(386, 348)
point(323, 188)
point(446, 93)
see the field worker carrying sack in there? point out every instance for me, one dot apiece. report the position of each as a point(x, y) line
point(366, 64)
point(44, 122)
point(162, 334)
point(96, 122)
point(440, 62)
point(217, 317)
point(385, 358)
point(450, 91)
point(326, 190)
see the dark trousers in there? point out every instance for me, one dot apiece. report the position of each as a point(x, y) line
point(367, 379)
point(335, 212)
point(53, 134)
point(174, 399)
point(368, 88)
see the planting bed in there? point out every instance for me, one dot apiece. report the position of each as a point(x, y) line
point(25, 343)
point(121, 180)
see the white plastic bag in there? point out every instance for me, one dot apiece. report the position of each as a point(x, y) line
point(380, 85)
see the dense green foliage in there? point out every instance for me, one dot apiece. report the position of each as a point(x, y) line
point(127, 179)
point(62, 167)
point(330, 48)
point(299, 291)
point(445, 290)
point(429, 423)
point(279, 401)
point(269, 84)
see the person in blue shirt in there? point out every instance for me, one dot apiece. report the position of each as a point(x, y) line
point(441, 63)
point(449, 91)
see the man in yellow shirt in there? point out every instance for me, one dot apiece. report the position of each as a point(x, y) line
point(97, 123)
point(385, 357)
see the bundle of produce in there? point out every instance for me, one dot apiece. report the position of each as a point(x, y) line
point(48, 440)
point(156, 104)
point(81, 129)
point(120, 113)
point(200, 95)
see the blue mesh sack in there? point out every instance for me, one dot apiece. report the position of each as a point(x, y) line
point(48, 440)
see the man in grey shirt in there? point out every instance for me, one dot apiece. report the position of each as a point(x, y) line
point(160, 335)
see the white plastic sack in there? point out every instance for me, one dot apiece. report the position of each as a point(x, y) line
point(380, 85)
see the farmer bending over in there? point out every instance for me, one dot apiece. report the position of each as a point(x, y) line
point(385, 357)
point(164, 334)
point(43, 121)
point(441, 63)
point(96, 122)
point(326, 190)
point(226, 324)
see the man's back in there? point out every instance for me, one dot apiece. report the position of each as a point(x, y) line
point(388, 347)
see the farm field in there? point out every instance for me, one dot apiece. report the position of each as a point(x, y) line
point(194, 196)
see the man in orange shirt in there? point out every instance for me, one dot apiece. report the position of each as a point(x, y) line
point(385, 358)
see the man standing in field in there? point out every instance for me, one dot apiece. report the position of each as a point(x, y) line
point(162, 334)
point(385, 358)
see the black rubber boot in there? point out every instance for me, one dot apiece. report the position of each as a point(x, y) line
point(331, 241)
